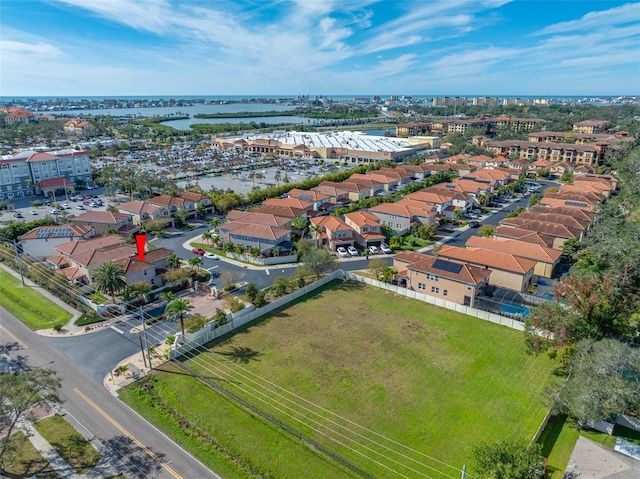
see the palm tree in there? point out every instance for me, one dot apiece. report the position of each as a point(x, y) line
point(109, 278)
point(178, 307)
point(316, 229)
point(173, 261)
point(167, 296)
point(215, 223)
point(277, 177)
point(195, 262)
point(207, 236)
point(260, 176)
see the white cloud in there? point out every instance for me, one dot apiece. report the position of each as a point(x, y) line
point(600, 19)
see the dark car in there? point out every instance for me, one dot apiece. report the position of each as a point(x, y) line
point(18, 215)
point(474, 224)
point(198, 251)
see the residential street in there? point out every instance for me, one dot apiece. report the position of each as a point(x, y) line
point(146, 451)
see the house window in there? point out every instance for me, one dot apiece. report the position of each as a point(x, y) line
point(435, 290)
point(422, 286)
point(469, 287)
point(445, 293)
point(432, 277)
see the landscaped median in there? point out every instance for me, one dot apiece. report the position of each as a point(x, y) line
point(28, 305)
point(431, 379)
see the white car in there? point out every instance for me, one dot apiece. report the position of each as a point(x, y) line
point(373, 249)
point(211, 256)
point(80, 207)
point(33, 212)
point(53, 211)
point(342, 252)
point(65, 206)
point(385, 249)
point(352, 251)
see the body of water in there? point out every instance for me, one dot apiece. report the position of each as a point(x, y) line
point(175, 110)
point(185, 124)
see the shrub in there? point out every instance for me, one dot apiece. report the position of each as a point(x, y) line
point(234, 304)
point(88, 319)
point(250, 292)
point(280, 286)
point(260, 300)
point(220, 317)
point(57, 327)
point(230, 287)
point(170, 339)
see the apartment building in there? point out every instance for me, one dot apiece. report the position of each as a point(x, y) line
point(31, 173)
point(591, 126)
point(590, 154)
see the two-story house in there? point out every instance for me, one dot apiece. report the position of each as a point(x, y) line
point(143, 211)
point(451, 281)
point(40, 242)
point(331, 231)
point(315, 197)
point(507, 270)
point(366, 228)
point(400, 215)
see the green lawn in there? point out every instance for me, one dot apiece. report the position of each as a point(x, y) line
point(28, 305)
point(24, 460)
point(69, 443)
point(429, 378)
point(560, 436)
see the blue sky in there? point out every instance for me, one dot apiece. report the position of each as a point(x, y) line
point(289, 47)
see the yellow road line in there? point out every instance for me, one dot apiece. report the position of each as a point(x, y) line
point(24, 346)
point(129, 435)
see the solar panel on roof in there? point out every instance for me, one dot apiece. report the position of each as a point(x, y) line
point(447, 266)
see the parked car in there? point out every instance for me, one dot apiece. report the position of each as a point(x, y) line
point(80, 207)
point(373, 249)
point(474, 224)
point(18, 215)
point(54, 211)
point(385, 249)
point(342, 252)
point(211, 256)
point(65, 206)
point(352, 251)
point(93, 204)
point(198, 251)
point(33, 212)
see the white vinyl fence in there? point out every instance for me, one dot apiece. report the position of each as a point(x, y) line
point(210, 332)
point(478, 313)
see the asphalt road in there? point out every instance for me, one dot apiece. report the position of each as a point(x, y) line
point(143, 451)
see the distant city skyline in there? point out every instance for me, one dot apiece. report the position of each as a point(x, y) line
point(319, 47)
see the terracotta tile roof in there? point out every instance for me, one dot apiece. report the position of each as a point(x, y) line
point(448, 192)
point(567, 220)
point(363, 218)
point(131, 264)
point(103, 255)
point(492, 259)
point(256, 231)
point(54, 183)
point(58, 261)
point(138, 207)
point(42, 156)
point(105, 217)
point(193, 196)
point(290, 202)
point(330, 223)
point(77, 247)
point(56, 231)
point(513, 246)
point(524, 235)
point(257, 217)
point(73, 272)
point(366, 180)
point(409, 257)
point(429, 197)
point(166, 200)
point(573, 212)
point(499, 174)
point(286, 211)
point(307, 194)
point(467, 274)
point(585, 187)
point(567, 203)
point(330, 190)
point(157, 254)
point(551, 229)
point(401, 209)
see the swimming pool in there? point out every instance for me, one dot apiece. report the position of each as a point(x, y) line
point(513, 309)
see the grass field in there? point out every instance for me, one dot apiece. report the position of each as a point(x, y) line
point(28, 305)
point(73, 448)
point(428, 378)
point(24, 460)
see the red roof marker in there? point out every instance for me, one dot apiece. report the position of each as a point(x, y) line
point(141, 242)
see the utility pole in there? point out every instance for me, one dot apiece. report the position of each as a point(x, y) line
point(146, 339)
point(464, 471)
point(15, 248)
